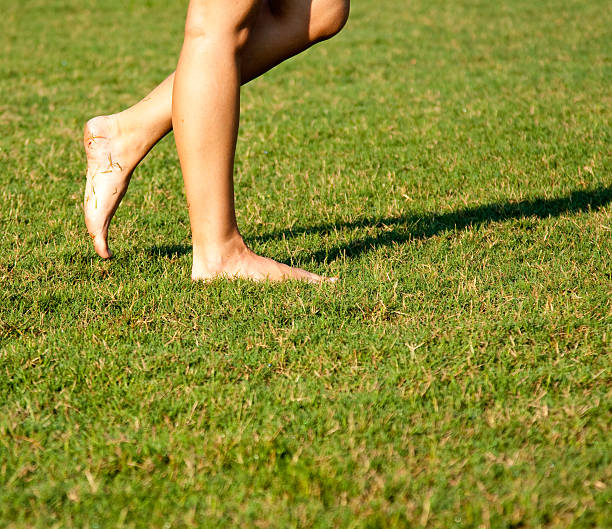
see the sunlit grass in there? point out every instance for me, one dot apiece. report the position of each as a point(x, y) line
point(450, 162)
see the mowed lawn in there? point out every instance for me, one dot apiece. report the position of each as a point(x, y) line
point(450, 162)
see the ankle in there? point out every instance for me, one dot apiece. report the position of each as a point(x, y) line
point(217, 255)
point(125, 136)
point(140, 132)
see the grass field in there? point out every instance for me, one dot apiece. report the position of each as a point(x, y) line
point(449, 161)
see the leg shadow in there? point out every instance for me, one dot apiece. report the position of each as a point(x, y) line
point(403, 228)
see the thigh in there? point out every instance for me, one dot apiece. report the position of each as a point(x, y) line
point(317, 18)
point(221, 14)
point(300, 9)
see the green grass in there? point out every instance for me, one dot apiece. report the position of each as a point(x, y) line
point(449, 161)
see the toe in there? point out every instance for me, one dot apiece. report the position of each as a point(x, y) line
point(101, 247)
point(322, 279)
point(311, 278)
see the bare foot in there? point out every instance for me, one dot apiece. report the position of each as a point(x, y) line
point(245, 264)
point(111, 159)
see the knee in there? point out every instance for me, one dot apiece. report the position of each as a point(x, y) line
point(330, 17)
point(212, 20)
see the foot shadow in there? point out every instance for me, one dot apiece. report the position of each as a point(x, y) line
point(403, 228)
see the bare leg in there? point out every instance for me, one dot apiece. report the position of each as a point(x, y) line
point(116, 144)
point(205, 114)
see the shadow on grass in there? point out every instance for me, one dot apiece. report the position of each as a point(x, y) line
point(403, 228)
point(169, 250)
